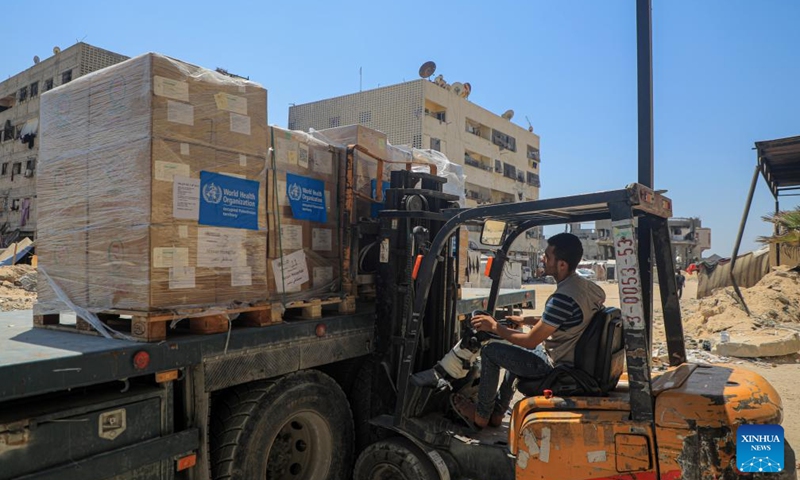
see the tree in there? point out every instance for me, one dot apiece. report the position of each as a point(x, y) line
point(787, 228)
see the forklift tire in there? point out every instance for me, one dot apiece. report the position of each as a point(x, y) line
point(395, 458)
point(298, 427)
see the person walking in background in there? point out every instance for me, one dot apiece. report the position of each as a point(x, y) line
point(679, 281)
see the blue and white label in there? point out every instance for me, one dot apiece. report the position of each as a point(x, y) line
point(227, 201)
point(377, 207)
point(759, 448)
point(307, 198)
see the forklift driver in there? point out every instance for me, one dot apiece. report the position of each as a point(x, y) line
point(566, 315)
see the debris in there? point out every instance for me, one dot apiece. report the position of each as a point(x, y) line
point(749, 348)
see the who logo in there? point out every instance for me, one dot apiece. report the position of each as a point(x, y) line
point(759, 448)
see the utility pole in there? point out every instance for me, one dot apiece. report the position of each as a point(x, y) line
point(644, 63)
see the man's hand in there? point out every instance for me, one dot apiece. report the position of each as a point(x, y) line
point(484, 323)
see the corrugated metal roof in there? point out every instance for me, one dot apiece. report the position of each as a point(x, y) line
point(779, 161)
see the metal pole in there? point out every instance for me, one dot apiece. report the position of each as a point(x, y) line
point(739, 236)
point(775, 232)
point(644, 62)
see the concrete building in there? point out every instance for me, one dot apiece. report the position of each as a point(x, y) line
point(19, 127)
point(689, 239)
point(500, 159)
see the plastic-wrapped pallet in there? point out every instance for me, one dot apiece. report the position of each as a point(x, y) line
point(151, 191)
point(304, 253)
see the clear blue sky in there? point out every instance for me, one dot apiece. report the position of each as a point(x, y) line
point(726, 74)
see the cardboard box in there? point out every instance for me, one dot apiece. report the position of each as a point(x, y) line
point(159, 96)
point(169, 207)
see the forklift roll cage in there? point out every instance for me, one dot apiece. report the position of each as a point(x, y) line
point(621, 207)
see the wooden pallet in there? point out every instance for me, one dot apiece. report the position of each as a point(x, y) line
point(314, 308)
point(152, 326)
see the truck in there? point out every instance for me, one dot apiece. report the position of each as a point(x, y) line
point(282, 401)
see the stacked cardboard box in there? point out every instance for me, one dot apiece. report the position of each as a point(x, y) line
point(305, 253)
point(151, 190)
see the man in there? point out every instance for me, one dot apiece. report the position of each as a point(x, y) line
point(680, 280)
point(566, 315)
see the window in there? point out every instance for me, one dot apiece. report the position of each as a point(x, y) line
point(533, 180)
point(441, 116)
point(504, 141)
point(533, 153)
point(23, 94)
point(30, 165)
point(534, 164)
point(8, 131)
point(365, 117)
point(16, 169)
point(509, 171)
point(521, 177)
point(436, 144)
point(333, 122)
point(498, 166)
point(34, 89)
point(417, 141)
point(5, 169)
point(66, 77)
point(48, 84)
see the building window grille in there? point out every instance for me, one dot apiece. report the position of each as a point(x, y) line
point(509, 171)
point(34, 89)
point(48, 84)
point(417, 141)
point(333, 122)
point(23, 94)
point(365, 117)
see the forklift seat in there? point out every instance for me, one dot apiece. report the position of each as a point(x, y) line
point(599, 361)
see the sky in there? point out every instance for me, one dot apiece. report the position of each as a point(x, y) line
point(725, 75)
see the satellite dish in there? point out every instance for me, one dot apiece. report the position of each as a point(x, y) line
point(56, 50)
point(427, 69)
point(35, 59)
point(508, 114)
point(467, 90)
point(458, 87)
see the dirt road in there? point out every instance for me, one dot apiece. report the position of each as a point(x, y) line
point(783, 373)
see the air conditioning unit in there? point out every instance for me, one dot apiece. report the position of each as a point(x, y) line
point(28, 173)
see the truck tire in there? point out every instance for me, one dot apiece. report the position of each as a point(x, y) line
point(297, 427)
point(395, 458)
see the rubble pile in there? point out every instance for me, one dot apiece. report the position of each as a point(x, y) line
point(773, 302)
point(17, 287)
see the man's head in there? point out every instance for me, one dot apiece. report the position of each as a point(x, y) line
point(562, 256)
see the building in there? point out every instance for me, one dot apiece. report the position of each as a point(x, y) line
point(500, 159)
point(689, 239)
point(19, 126)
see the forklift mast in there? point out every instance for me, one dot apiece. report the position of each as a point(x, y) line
point(411, 217)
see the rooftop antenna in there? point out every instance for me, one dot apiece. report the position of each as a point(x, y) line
point(360, 78)
point(427, 69)
point(530, 127)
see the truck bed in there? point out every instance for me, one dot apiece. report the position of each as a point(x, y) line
point(35, 361)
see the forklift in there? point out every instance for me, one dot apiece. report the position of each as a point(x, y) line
point(630, 422)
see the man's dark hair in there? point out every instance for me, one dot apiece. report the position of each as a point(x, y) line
point(567, 247)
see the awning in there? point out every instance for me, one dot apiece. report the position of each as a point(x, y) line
point(30, 127)
point(780, 163)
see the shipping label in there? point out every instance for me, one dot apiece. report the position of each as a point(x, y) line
point(174, 89)
point(290, 272)
point(178, 112)
point(219, 247)
point(240, 124)
point(231, 103)
point(186, 198)
point(291, 237)
point(322, 239)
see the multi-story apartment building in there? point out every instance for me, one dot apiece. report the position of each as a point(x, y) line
point(19, 128)
point(500, 159)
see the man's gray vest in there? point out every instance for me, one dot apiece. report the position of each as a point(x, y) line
point(560, 346)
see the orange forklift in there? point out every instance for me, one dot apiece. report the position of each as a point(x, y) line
point(626, 422)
